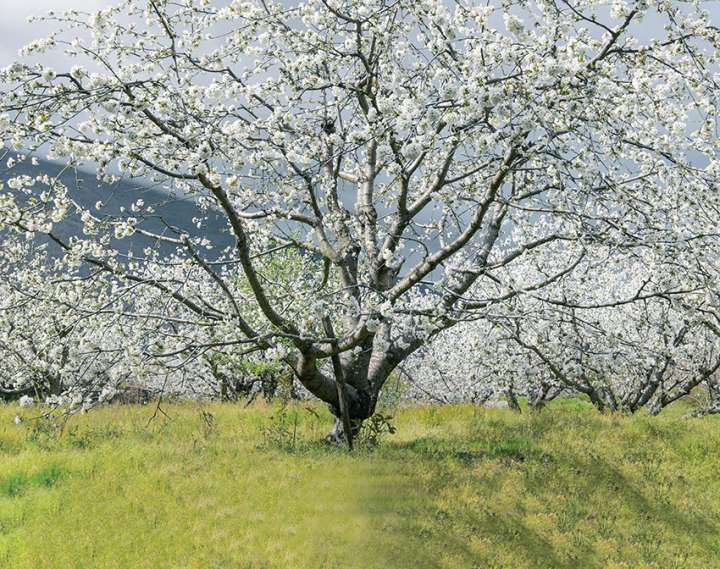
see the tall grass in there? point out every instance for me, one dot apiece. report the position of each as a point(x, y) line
point(224, 486)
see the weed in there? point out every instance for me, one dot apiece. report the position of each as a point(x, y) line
point(48, 476)
point(281, 430)
point(80, 438)
point(18, 483)
point(13, 485)
point(374, 429)
point(45, 432)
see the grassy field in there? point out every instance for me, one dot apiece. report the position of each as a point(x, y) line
point(223, 486)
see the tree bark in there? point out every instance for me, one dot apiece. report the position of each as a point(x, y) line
point(512, 400)
point(360, 406)
point(341, 393)
point(363, 373)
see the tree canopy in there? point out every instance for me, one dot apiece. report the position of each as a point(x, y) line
point(427, 162)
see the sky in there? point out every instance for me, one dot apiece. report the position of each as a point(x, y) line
point(15, 32)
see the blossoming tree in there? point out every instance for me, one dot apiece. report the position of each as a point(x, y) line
point(625, 345)
point(411, 152)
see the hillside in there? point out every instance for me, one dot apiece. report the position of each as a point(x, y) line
point(173, 210)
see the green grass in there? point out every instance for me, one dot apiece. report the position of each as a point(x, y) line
point(455, 487)
point(15, 484)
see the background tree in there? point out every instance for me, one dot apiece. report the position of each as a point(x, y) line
point(624, 345)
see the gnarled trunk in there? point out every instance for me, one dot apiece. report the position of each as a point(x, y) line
point(361, 375)
point(360, 407)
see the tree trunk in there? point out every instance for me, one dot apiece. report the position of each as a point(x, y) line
point(363, 375)
point(512, 400)
point(361, 405)
point(15, 394)
point(542, 396)
point(337, 435)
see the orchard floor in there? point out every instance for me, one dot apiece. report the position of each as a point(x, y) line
point(223, 486)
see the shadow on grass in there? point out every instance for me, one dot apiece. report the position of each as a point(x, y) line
point(422, 521)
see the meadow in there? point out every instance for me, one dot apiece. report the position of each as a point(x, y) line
point(225, 486)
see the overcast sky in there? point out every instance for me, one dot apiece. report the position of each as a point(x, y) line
point(15, 31)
